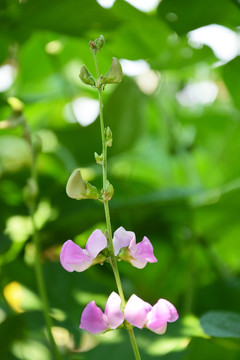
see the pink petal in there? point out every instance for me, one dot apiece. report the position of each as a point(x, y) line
point(160, 330)
point(73, 257)
point(122, 238)
point(162, 312)
point(142, 253)
point(113, 311)
point(92, 319)
point(136, 311)
point(96, 242)
point(173, 311)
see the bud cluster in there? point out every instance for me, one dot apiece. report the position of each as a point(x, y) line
point(114, 74)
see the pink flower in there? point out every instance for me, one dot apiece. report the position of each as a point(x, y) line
point(95, 321)
point(141, 314)
point(73, 257)
point(137, 254)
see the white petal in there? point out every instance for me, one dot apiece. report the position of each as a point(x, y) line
point(122, 238)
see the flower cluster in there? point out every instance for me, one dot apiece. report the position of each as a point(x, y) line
point(73, 257)
point(137, 312)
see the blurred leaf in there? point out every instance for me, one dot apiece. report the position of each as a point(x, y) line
point(124, 115)
point(11, 329)
point(221, 324)
point(208, 350)
point(230, 72)
point(72, 18)
point(188, 15)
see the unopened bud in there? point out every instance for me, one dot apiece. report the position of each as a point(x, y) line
point(97, 44)
point(16, 105)
point(79, 189)
point(108, 136)
point(86, 77)
point(98, 158)
point(108, 192)
point(114, 75)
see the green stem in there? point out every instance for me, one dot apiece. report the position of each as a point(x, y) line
point(35, 239)
point(113, 260)
point(134, 343)
point(41, 286)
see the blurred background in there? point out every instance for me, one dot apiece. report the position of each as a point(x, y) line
point(174, 165)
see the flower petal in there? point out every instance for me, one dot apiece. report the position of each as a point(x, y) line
point(92, 319)
point(96, 242)
point(136, 311)
point(113, 311)
point(162, 312)
point(73, 257)
point(160, 330)
point(141, 253)
point(122, 238)
point(173, 311)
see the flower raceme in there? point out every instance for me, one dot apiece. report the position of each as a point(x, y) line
point(137, 312)
point(73, 257)
point(155, 318)
point(137, 254)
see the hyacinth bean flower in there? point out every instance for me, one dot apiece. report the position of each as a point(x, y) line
point(137, 254)
point(73, 257)
point(95, 321)
point(155, 318)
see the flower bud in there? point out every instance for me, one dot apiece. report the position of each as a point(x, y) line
point(108, 192)
point(16, 105)
point(79, 189)
point(98, 158)
point(114, 75)
point(86, 77)
point(97, 44)
point(100, 42)
point(108, 136)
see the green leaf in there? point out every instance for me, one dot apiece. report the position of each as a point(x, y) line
point(230, 75)
point(224, 324)
point(124, 113)
point(187, 15)
point(71, 17)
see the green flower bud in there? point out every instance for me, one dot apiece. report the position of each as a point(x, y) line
point(100, 42)
point(97, 44)
point(114, 74)
point(16, 105)
point(79, 189)
point(86, 77)
point(108, 136)
point(98, 158)
point(108, 192)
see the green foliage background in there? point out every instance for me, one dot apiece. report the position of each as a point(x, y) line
point(175, 170)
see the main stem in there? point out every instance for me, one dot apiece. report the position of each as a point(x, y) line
point(113, 260)
point(35, 239)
